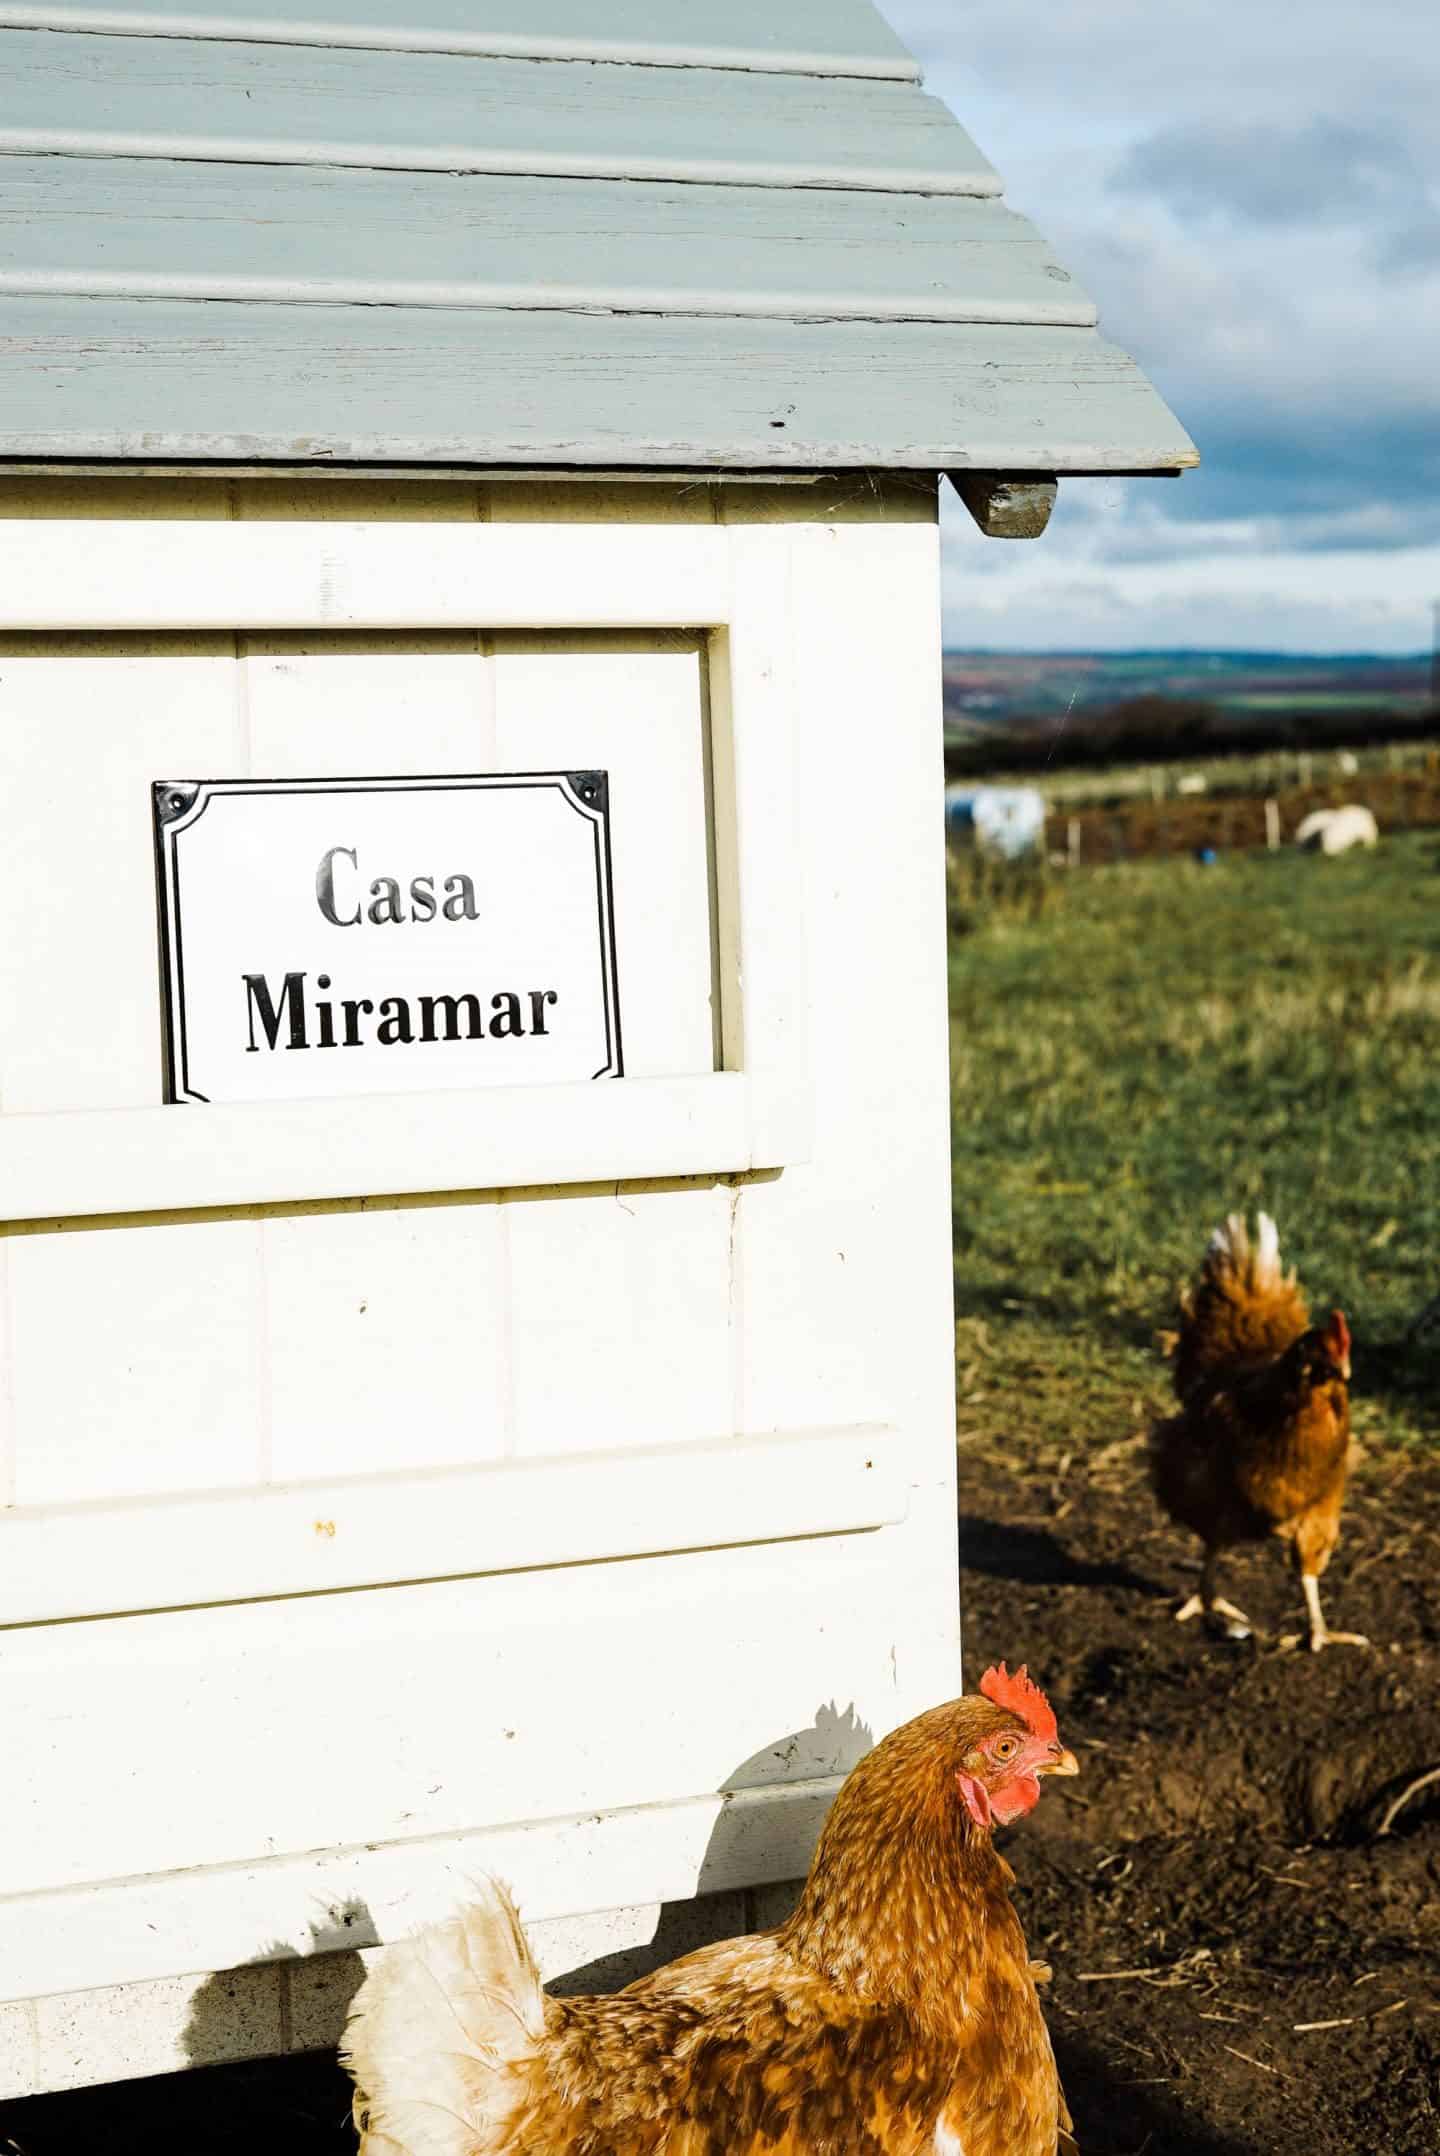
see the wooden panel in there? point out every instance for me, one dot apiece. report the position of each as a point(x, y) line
point(132, 1930)
point(156, 379)
point(843, 37)
point(851, 1251)
point(84, 728)
point(143, 228)
point(60, 1561)
point(134, 1366)
point(384, 1339)
point(343, 1720)
point(191, 576)
point(620, 1309)
point(148, 1160)
point(370, 706)
point(155, 1160)
point(274, 104)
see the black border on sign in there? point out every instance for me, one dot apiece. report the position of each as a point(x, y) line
point(587, 792)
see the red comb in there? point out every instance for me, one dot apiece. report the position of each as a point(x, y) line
point(1021, 1696)
point(1339, 1331)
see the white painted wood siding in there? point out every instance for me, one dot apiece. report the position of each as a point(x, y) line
point(423, 112)
point(384, 238)
point(543, 387)
point(267, 1759)
point(810, 37)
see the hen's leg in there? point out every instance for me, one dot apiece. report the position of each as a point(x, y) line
point(1320, 1633)
point(1315, 1536)
point(1205, 1602)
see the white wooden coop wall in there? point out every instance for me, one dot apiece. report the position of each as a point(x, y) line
point(600, 1463)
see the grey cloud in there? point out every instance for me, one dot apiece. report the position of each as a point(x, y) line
point(1327, 171)
point(1364, 527)
point(1414, 250)
point(1123, 58)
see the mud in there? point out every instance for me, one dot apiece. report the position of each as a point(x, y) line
point(1216, 1883)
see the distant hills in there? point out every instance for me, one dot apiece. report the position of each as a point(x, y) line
point(1095, 706)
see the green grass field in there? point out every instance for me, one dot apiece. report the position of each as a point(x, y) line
point(1137, 1050)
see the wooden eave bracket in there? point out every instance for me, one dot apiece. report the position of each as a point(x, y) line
point(1007, 505)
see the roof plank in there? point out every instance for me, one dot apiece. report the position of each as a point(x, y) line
point(156, 380)
point(143, 229)
point(817, 37)
point(269, 104)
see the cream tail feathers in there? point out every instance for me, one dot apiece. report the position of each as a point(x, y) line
point(442, 2034)
point(1257, 1265)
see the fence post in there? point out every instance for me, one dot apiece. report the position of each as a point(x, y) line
point(1272, 824)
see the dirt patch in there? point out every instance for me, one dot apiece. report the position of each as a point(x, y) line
point(1215, 1884)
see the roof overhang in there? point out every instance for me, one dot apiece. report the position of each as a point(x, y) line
point(448, 236)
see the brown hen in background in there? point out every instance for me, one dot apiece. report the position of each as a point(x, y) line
point(1261, 1443)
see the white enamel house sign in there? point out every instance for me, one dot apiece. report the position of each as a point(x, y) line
point(476, 1333)
point(481, 953)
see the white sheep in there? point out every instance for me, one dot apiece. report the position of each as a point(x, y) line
point(1337, 830)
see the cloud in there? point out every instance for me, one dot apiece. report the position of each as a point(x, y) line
point(1101, 62)
point(1326, 171)
point(1253, 197)
point(1118, 569)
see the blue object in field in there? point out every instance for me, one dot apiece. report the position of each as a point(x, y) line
point(1206, 856)
point(1008, 820)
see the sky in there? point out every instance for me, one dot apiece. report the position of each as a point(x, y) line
point(1250, 189)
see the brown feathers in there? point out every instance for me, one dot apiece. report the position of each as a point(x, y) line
point(897, 2004)
point(1260, 1444)
point(1242, 1311)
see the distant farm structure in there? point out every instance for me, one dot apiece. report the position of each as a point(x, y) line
point(1131, 758)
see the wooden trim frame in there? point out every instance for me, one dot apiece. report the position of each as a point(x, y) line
point(753, 1113)
point(152, 1553)
point(174, 1924)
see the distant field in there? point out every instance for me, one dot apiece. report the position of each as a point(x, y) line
point(1158, 1043)
point(1265, 772)
point(986, 687)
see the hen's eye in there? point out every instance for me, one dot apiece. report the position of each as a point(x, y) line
point(1006, 1748)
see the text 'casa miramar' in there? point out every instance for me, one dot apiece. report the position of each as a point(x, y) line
point(501, 971)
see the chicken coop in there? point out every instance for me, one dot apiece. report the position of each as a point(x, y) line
point(475, 1318)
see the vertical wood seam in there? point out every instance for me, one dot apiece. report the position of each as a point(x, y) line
point(505, 1375)
point(735, 1315)
point(264, 1404)
point(9, 1434)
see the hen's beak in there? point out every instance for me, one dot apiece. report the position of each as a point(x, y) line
point(1063, 1763)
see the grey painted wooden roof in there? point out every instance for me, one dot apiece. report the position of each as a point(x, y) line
point(728, 234)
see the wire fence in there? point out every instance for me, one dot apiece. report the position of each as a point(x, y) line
point(1188, 824)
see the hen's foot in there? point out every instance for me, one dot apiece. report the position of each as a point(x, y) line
point(1320, 1633)
point(1224, 1616)
point(1323, 1638)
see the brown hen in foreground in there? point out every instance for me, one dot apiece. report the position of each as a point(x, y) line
point(895, 2014)
point(1262, 1439)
